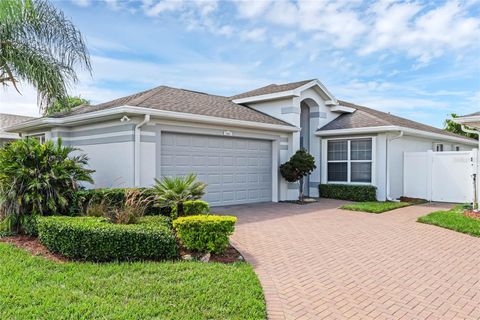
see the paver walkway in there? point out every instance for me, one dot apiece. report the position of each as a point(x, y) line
point(319, 262)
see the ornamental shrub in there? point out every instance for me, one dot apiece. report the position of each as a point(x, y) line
point(348, 192)
point(95, 239)
point(300, 165)
point(87, 201)
point(192, 208)
point(174, 191)
point(205, 233)
point(38, 179)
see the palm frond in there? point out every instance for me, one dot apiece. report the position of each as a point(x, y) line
point(39, 45)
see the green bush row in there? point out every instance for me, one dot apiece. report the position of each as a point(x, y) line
point(348, 192)
point(205, 233)
point(95, 239)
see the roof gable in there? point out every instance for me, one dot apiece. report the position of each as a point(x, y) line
point(365, 117)
point(271, 88)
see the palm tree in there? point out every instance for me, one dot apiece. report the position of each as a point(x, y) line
point(174, 191)
point(40, 46)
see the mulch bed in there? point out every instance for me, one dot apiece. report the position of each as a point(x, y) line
point(305, 201)
point(230, 255)
point(472, 214)
point(33, 246)
point(412, 200)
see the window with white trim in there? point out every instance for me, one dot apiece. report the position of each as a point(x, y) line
point(438, 147)
point(40, 137)
point(349, 160)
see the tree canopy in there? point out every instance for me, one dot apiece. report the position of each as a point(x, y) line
point(300, 165)
point(66, 105)
point(454, 127)
point(40, 46)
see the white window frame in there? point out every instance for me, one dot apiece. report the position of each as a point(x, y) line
point(42, 137)
point(325, 160)
point(457, 148)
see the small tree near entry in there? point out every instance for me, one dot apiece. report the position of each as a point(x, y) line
point(300, 165)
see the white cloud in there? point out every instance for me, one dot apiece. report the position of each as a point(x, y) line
point(284, 40)
point(256, 34)
point(423, 35)
point(419, 30)
point(23, 103)
point(252, 8)
point(103, 44)
point(154, 8)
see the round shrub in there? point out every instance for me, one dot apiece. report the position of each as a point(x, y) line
point(205, 233)
point(95, 239)
point(192, 208)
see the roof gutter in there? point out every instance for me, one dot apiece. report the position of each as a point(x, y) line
point(476, 185)
point(162, 114)
point(407, 131)
point(387, 164)
point(136, 162)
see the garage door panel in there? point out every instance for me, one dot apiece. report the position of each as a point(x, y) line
point(236, 170)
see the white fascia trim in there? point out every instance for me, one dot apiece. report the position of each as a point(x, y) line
point(342, 109)
point(113, 112)
point(266, 97)
point(408, 131)
point(6, 135)
point(290, 93)
point(466, 120)
point(336, 132)
point(322, 87)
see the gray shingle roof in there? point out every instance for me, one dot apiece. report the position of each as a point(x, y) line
point(7, 120)
point(471, 114)
point(185, 101)
point(271, 88)
point(365, 117)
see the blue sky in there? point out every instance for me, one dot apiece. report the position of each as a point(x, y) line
point(417, 59)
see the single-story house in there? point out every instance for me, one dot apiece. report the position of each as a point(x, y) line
point(8, 120)
point(236, 144)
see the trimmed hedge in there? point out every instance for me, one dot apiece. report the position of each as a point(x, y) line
point(348, 192)
point(193, 207)
point(95, 239)
point(111, 196)
point(205, 233)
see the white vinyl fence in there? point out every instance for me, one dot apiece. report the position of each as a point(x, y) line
point(440, 176)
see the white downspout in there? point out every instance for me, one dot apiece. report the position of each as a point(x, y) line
point(477, 195)
point(136, 161)
point(389, 198)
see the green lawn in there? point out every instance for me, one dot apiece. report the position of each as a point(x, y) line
point(375, 206)
point(453, 219)
point(36, 288)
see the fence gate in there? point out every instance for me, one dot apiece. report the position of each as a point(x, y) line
point(439, 176)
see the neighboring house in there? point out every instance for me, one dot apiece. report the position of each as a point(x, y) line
point(8, 120)
point(236, 144)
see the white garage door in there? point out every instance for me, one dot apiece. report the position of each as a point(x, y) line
point(237, 170)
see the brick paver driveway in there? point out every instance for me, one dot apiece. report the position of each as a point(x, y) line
point(319, 262)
